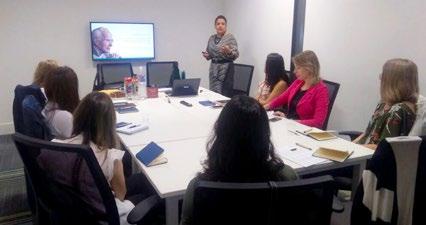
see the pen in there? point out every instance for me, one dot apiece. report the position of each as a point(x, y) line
point(293, 132)
point(303, 146)
point(308, 130)
point(168, 99)
point(293, 149)
point(139, 125)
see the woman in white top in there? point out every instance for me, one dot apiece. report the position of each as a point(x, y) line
point(94, 125)
point(61, 87)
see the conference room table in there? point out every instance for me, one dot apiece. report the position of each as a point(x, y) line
point(183, 132)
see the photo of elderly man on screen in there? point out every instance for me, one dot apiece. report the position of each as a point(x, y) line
point(102, 42)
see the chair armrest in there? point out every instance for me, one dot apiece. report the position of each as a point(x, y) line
point(351, 134)
point(142, 209)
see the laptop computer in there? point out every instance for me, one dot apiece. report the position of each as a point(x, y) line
point(185, 87)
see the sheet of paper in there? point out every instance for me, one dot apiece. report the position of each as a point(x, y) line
point(299, 155)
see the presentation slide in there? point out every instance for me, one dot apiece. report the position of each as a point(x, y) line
point(111, 41)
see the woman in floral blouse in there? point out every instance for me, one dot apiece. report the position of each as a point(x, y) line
point(396, 112)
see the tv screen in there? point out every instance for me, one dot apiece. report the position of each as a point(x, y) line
point(120, 41)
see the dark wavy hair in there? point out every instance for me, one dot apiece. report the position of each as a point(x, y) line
point(275, 69)
point(61, 87)
point(240, 149)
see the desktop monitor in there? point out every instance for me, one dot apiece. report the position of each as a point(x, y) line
point(161, 74)
point(113, 73)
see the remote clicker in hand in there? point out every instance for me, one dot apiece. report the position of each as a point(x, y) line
point(185, 103)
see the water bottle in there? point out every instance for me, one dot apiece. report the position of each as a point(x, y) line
point(142, 84)
point(183, 75)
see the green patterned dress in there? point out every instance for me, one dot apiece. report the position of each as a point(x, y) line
point(393, 122)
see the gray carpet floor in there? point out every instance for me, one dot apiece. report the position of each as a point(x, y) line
point(13, 197)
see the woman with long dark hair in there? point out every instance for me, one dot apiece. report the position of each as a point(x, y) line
point(276, 80)
point(240, 150)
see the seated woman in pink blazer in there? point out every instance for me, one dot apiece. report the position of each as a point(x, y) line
point(307, 97)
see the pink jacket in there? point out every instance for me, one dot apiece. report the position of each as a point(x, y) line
point(312, 107)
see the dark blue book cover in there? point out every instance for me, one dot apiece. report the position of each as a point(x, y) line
point(149, 153)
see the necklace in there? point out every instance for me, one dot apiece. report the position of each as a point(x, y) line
point(217, 39)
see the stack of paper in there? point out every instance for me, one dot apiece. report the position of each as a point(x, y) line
point(299, 155)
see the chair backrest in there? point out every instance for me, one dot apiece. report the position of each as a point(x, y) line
point(419, 126)
point(111, 75)
point(20, 93)
point(68, 182)
point(307, 201)
point(333, 89)
point(161, 74)
point(242, 79)
point(393, 185)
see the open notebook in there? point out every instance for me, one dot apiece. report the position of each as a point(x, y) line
point(317, 134)
point(334, 154)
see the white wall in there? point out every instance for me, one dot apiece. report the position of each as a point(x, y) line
point(353, 39)
point(260, 27)
point(36, 30)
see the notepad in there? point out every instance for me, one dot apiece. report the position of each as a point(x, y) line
point(318, 134)
point(338, 155)
point(133, 128)
point(206, 103)
point(299, 155)
point(151, 154)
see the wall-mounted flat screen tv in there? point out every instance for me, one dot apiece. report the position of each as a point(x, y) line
point(122, 41)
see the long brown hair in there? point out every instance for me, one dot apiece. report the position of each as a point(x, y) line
point(62, 88)
point(44, 68)
point(95, 119)
point(399, 81)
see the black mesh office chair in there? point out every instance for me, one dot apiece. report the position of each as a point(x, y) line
point(111, 75)
point(162, 74)
point(242, 76)
point(69, 184)
point(303, 202)
point(333, 89)
point(27, 124)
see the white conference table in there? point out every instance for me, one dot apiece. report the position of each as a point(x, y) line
point(184, 131)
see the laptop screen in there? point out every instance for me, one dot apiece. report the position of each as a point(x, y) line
point(186, 87)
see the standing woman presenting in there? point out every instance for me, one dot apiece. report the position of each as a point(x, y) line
point(222, 50)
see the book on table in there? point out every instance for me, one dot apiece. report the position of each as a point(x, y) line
point(318, 134)
point(151, 155)
point(335, 154)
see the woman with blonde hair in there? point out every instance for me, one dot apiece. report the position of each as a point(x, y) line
point(396, 112)
point(43, 69)
point(307, 97)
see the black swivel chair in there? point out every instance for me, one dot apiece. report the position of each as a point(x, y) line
point(242, 77)
point(303, 202)
point(26, 123)
point(162, 74)
point(111, 75)
point(70, 186)
point(333, 89)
